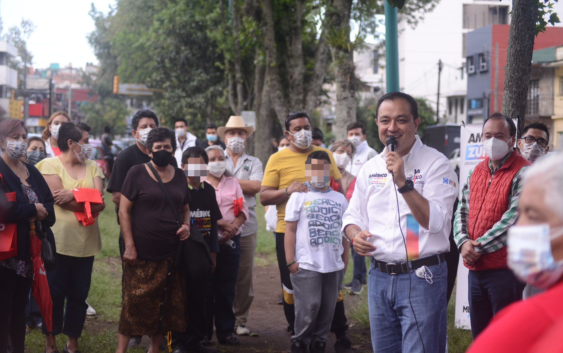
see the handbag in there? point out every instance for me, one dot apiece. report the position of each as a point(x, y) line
point(8, 231)
point(47, 250)
point(192, 255)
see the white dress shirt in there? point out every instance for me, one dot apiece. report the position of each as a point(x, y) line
point(190, 142)
point(363, 154)
point(373, 206)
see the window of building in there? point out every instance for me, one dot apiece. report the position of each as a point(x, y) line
point(561, 86)
point(450, 105)
point(560, 140)
point(470, 65)
point(461, 104)
point(532, 106)
point(482, 62)
point(375, 62)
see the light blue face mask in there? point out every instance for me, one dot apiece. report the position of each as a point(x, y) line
point(211, 138)
point(530, 256)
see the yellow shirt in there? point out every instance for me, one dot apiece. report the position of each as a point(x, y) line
point(284, 168)
point(71, 237)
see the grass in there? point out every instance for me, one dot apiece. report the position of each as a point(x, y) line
point(105, 293)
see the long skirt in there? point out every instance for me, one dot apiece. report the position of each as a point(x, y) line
point(154, 297)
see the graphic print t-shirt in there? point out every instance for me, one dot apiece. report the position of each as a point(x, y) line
point(319, 220)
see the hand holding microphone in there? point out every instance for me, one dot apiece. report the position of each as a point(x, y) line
point(395, 164)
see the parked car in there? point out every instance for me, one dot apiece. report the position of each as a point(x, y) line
point(454, 160)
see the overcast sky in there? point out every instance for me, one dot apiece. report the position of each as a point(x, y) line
point(61, 28)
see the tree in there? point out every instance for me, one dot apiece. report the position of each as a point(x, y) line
point(109, 111)
point(529, 18)
point(18, 36)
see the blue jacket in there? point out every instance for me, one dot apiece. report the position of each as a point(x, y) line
point(20, 212)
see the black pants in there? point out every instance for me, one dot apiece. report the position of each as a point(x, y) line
point(196, 295)
point(70, 281)
point(452, 261)
point(339, 322)
point(13, 300)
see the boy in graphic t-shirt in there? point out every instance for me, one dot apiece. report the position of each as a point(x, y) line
point(316, 254)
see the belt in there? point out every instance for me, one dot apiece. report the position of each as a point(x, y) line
point(392, 268)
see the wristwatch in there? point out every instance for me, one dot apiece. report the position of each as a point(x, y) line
point(409, 185)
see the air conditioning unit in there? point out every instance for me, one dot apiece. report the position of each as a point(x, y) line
point(470, 69)
point(483, 66)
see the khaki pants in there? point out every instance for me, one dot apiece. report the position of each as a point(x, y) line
point(244, 294)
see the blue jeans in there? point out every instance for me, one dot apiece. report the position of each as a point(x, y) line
point(393, 326)
point(490, 291)
point(221, 294)
point(69, 281)
point(360, 271)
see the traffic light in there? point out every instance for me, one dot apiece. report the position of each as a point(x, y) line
point(115, 84)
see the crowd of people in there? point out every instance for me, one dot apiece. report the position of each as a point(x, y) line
point(188, 233)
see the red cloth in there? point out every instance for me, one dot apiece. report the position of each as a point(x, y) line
point(334, 185)
point(488, 201)
point(238, 206)
point(56, 151)
point(87, 197)
point(351, 189)
point(40, 289)
point(8, 232)
point(519, 327)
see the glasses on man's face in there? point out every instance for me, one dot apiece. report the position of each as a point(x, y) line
point(530, 139)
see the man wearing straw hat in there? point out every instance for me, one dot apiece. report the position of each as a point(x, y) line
point(248, 171)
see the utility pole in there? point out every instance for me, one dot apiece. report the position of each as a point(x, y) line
point(391, 48)
point(70, 95)
point(51, 95)
point(25, 98)
point(440, 66)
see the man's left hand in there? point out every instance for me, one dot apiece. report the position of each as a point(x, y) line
point(396, 166)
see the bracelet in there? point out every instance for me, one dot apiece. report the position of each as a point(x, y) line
point(286, 193)
point(354, 236)
point(291, 263)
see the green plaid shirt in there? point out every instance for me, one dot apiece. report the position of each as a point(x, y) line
point(495, 238)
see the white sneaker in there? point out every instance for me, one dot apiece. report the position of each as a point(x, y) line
point(242, 331)
point(90, 311)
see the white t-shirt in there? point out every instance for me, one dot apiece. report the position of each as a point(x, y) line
point(318, 245)
point(271, 217)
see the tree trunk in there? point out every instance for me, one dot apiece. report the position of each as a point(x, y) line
point(264, 124)
point(296, 66)
point(343, 61)
point(238, 65)
point(519, 59)
point(319, 72)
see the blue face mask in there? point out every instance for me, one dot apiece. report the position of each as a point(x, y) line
point(211, 138)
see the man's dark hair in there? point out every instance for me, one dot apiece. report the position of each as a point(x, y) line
point(71, 131)
point(318, 155)
point(143, 113)
point(537, 126)
point(399, 95)
point(107, 129)
point(357, 125)
point(293, 116)
point(318, 134)
point(194, 152)
point(211, 126)
point(160, 134)
point(181, 120)
point(509, 121)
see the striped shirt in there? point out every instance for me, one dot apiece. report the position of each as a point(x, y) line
point(495, 238)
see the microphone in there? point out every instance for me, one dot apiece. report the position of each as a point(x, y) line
point(391, 143)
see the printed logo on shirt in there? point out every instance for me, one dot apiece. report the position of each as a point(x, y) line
point(202, 220)
point(246, 168)
point(324, 222)
point(416, 178)
point(449, 182)
point(378, 180)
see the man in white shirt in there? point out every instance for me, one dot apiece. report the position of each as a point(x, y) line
point(184, 139)
point(400, 215)
point(356, 133)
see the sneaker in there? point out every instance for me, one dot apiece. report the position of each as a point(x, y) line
point(207, 342)
point(90, 311)
point(317, 347)
point(134, 342)
point(298, 347)
point(342, 344)
point(230, 341)
point(357, 287)
point(348, 285)
point(364, 281)
point(242, 331)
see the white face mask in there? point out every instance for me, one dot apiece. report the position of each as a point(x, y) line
point(181, 132)
point(16, 149)
point(235, 144)
point(356, 140)
point(143, 135)
point(55, 131)
point(496, 149)
point(281, 148)
point(533, 151)
point(530, 256)
point(217, 169)
point(85, 152)
point(303, 139)
point(342, 160)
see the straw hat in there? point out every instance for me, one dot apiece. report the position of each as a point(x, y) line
point(235, 122)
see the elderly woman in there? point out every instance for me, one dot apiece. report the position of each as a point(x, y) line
point(76, 243)
point(28, 200)
point(343, 152)
point(235, 213)
point(153, 290)
point(51, 133)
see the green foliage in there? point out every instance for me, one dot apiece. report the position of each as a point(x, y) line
point(18, 36)
point(108, 111)
point(426, 114)
point(397, 3)
point(546, 15)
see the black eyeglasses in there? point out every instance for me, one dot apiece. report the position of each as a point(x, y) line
point(541, 141)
